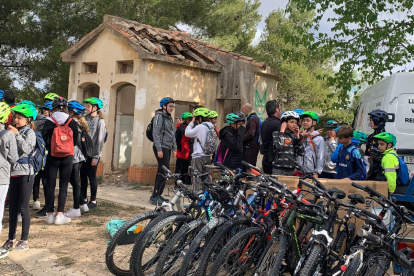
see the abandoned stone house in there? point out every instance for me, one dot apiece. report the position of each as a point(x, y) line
point(131, 66)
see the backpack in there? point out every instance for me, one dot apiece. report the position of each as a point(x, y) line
point(258, 137)
point(86, 145)
point(61, 144)
point(37, 157)
point(210, 145)
point(364, 165)
point(403, 176)
point(150, 127)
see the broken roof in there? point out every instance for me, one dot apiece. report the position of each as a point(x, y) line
point(175, 44)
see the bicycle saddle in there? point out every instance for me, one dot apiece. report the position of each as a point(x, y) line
point(339, 194)
point(357, 198)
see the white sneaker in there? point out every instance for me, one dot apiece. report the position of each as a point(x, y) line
point(19, 218)
point(36, 205)
point(73, 213)
point(50, 219)
point(62, 219)
point(84, 208)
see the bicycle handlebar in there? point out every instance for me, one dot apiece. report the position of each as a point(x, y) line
point(250, 166)
point(369, 236)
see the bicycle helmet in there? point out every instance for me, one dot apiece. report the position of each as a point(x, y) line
point(166, 101)
point(331, 124)
point(378, 116)
point(336, 129)
point(311, 114)
point(94, 101)
point(1, 94)
point(186, 115)
point(4, 112)
point(27, 102)
point(360, 136)
point(299, 111)
point(59, 102)
point(201, 112)
point(387, 137)
point(235, 117)
point(76, 107)
point(289, 115)
point(47, 106)
point(26, 110)
point(212, 114)
point(51, 96)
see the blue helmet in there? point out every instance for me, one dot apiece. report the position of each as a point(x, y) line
point(27, 102)
point(47, 106)
point(166, 101)
point(1, 94)
point(76, 107)
point(299, 111)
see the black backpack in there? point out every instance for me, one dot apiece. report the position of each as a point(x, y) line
point(150, 126)
point(87, 145)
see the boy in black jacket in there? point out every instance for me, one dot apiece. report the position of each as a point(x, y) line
point(232, 141)
point(286, 143)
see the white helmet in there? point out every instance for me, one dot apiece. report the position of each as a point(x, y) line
point(290, 115)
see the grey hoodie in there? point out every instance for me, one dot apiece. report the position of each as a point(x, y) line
point(25, 146)
point(97, 131)
point(8, 155)
point(163, 131)
point(313, 161)
point(330, 147)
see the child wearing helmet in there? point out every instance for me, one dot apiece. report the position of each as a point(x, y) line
point(377, 120)
point(389, 162)
point(286, 143)
point(8, 156)
point(21, 175)
point(50, 97)
point(212, 115)
point(97, 130)
point(314, 157)
point(199, 159)
point(9, 98)
point(329, 168)
point(183, 147)
point(231, 137)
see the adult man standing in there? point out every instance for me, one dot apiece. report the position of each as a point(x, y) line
point(272, 123)
point(250, 141)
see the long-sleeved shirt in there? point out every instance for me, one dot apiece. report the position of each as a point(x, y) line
point(97, 131)
point(266, 132)
point(285, 144)
point(199, 133)
point(232, 146)
point(163, 131)
point(8, 154)
point(350, 163)
point(25, 145)
point(373, 152)
point(390, 165)
point(252, 131)
point(330, 147)
point(313, 159)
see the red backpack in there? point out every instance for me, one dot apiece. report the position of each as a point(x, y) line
point(61, 144)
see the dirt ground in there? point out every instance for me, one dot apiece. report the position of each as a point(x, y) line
point(80, 244)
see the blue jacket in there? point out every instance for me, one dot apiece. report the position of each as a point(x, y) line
point(334, 156)
point(349, 166)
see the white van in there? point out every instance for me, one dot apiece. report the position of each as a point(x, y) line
point(395, 95)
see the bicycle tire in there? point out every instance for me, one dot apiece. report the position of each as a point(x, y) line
point(273, 260)
point(379, 268)
point(312, 261)
point(342, 239)
point(136, 265)
point(115, 266)
point(229, 256)
point(170, 256)
point(193, 257)
point(352, 268)
point(224, 234)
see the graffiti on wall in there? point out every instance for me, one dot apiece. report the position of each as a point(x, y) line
point(105, 99)
point(260, 105)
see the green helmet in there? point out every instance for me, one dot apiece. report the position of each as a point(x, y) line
point(360, 136)
point(51, 96)
point(94, 101)
point(4, 112)
point(186, 115)
point(387, 137)
point(201, 111)
point(212, 114)
point(235, 117)
point(26, 110)
point(311, 114)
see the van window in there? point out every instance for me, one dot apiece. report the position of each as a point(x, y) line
point(404, 116)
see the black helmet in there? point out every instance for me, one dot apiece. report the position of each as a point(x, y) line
point(379, 116)
point(59, 102)
point(331, 124)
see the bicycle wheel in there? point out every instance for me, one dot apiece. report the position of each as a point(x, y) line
point(192, 259)
point(119, 249)
point(227, 231)
point(272, 262)
point(352, 269)
point(312, 261)
point(379, 266)
point(172, 257)
point(238, 255)
point(148, 249)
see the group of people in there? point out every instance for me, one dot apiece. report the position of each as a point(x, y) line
point(282, 135)
point(37, 143)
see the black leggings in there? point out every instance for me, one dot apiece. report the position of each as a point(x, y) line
point(20, 190)
point(64, 165)
point(36, 186)
point(88, 171)
point(159, 179)
point(74, 181)
point(181, 167)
